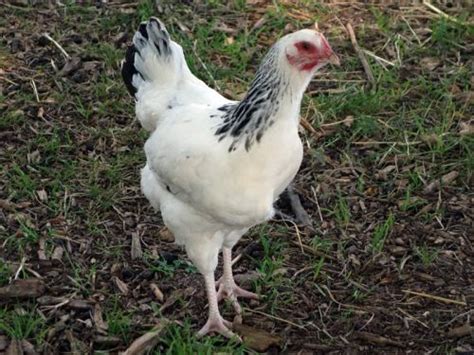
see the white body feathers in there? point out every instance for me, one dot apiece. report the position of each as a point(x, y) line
point(208, 196)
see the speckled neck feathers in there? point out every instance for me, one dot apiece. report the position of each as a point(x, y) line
point(246, 121)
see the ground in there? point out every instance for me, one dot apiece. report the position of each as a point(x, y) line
point(386, 179)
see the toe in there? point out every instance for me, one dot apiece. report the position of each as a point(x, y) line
point(240, 292)
point(217, 325)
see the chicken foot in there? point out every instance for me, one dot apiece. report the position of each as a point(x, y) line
point(228, 289)
point(215, 322)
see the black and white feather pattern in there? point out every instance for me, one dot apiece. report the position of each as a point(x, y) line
point(214, 166)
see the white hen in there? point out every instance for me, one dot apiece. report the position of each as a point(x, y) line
point(215, 166)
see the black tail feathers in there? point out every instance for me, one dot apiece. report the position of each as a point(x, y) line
point(153, 35)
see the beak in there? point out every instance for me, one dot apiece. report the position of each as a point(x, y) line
point(334, 60)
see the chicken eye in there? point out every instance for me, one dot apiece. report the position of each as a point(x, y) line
point(306, 46)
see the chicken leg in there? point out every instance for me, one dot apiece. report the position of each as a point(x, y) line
point(227, 287)
point(215, 322)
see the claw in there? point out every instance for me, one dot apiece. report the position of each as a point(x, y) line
point(219, 325)
point(232, 292)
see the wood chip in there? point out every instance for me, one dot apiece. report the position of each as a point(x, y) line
point(3, 342)
point(42, 195)
point(107, 341)
point(176, 295)
point(100, 325)
point(377, 339)
point(147, 341)
point(14, 348)
point(461, 331)
point(79, 304)
point(136, 252)
point(77, 346)
point(50, 300)
point(41, 249)
point(122, 286)
point(28, 348)
point(445, 180)
point(71, 66)
point(157, 292)
point(29, 288)
point(466, 128)
point(58, 253)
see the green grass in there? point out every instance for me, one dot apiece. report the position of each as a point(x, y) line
point(5, 273)
point(86, 153)
point(427, 255)
point(381, 232)
point(342, 213)
point(182, 340)
point(22, 323)
point(119, 321)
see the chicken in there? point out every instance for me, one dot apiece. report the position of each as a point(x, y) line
point(215, 166)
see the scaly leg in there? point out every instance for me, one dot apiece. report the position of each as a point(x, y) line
point(215, 322)
point(228, 288)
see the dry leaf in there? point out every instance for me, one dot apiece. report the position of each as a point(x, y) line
point(122, 286)
point(430, 63)
point(466, 128)
point(157, 292)
point(430, 138)
point(147, 341)
point(383, 174)
point(166, 235)
point(257, 339)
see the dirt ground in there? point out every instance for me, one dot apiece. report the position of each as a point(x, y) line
point(86, 265)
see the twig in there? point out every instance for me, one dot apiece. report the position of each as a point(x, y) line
point(22, 264)
point(63, 52)
point(412, 317)
point(205, 66)
point(306, 125)
point(411, 30)
point(360, 54)
point(442, 14)
point(314, 251)
point(377, 339)
point(347, 121)
point(274, 317)
point(386, 143)
point(237, 258)
point(317, 204)
point(437, 298)
point(376, 57)
point(35, 90)
point(298, 235)
point(342, 304)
